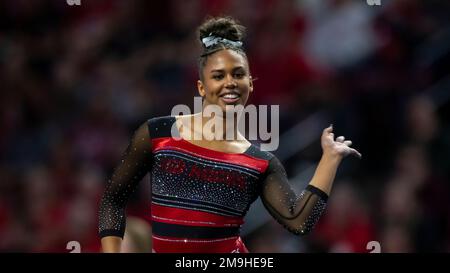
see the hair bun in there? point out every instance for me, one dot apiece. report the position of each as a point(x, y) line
point(223, 27)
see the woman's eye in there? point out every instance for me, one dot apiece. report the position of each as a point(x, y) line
point(239, 75)
point(218, 77)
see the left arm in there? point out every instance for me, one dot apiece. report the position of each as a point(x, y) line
point(333, 153)
point(300, 213)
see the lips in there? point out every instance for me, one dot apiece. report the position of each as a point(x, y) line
point(230, 97)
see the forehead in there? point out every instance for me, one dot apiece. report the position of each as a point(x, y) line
point(226, 59)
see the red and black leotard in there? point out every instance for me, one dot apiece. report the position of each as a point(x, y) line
point(200, 196)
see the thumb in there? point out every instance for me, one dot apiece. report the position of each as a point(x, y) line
point(328, 130)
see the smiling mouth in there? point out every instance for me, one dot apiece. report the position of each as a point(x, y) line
point(230, 98)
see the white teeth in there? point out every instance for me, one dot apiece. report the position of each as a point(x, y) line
point(230, 96)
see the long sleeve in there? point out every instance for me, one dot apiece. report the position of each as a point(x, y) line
point(135, 163)
point(298, 214)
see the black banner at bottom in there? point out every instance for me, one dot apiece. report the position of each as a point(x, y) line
point(223, 262)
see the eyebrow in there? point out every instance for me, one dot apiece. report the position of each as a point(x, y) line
point(222, 70)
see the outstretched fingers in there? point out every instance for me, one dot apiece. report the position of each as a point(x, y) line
point(329, 136)
point(348, 142)
point(355, 153)
point(340, 139)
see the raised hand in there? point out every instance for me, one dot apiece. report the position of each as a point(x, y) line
point(339, 147)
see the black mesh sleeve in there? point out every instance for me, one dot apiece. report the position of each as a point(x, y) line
point(136, 162)
point(298, 214)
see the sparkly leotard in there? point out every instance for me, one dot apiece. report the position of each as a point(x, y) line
point(200, 196)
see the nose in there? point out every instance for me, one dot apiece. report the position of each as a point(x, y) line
point(230, 83)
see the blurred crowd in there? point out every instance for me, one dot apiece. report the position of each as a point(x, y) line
point(76, 81)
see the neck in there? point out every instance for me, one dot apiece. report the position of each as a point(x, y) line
point(217, 127)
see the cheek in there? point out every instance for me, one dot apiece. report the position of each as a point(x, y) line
point(212, 89)
point(246, 86)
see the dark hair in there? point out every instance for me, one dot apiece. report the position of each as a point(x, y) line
point(221, 27)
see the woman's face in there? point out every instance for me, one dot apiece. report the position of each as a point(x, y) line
point(226, 79)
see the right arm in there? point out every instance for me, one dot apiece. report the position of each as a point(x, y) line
point(135, 164)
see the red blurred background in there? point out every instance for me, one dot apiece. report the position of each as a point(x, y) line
point(76, 81)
